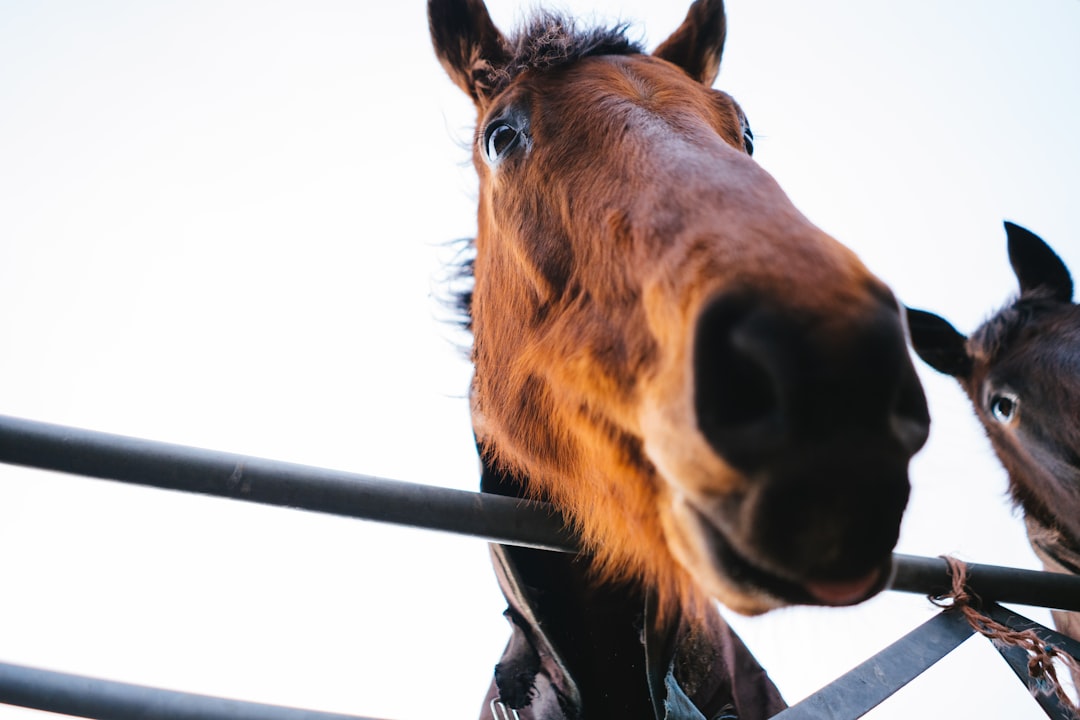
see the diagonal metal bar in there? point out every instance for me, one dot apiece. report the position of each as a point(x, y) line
point(498, 519)
point(1016, 621)
point(1017, 658)
point(109, 700)
point(863, 688)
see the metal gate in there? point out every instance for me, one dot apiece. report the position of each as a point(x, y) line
point(493, 518)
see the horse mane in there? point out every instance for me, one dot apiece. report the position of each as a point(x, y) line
point(454, 288)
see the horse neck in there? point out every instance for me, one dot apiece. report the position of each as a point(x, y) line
point(1045, 493)
point(1057, 554)
point(595, 627)
point(615, 651)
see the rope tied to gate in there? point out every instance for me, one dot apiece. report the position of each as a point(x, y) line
point(1041, 657)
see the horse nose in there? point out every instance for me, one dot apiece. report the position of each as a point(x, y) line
point(821, 414)
point(769, 380)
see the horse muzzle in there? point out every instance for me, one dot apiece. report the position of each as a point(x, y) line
point(816, 417)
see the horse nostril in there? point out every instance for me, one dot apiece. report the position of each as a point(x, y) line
point(768, 379)
point(735, 393)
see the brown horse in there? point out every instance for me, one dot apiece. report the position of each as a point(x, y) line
point(716, 393)
point(1021, 370)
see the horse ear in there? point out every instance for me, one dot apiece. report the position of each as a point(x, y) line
point(697, 45)
point(938, 343)
point(1036, 265)
point(467, 43)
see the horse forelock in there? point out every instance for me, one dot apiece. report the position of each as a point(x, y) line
point(550, 40)
point(1001, 332)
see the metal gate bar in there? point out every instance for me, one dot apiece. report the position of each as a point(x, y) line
point(105, 699)
point(870, 683)
point(271, 482)
point(1017, 658)
point(930, 576)
point(498, 519)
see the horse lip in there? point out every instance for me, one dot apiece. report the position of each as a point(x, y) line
point(740, 571)
point(844, 592)
point(812, 591)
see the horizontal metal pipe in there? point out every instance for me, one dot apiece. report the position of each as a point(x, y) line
point(177, 467)
point(930, 576)
point(109, 700)
point(491, 517)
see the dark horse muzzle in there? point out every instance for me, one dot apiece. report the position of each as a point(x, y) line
point(820, 415)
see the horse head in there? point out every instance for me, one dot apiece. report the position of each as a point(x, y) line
point(716, 392)
point(1021, 370)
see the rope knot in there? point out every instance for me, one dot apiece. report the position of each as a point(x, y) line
point(1041, 656)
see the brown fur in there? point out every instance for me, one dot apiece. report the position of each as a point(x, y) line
point(1029, 349)
point(629, 205)
point(1032, 345)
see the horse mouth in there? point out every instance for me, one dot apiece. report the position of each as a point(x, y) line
point(742, 572)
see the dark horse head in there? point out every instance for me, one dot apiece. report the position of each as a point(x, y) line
point(716, 392)
point(1021, 369)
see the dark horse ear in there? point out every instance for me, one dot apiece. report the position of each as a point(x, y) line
point(938, 343)
point(697, 45)
point(1036, 265)
point(467, 43)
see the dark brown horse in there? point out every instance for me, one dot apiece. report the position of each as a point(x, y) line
point(1021, 370)
point(716, 393)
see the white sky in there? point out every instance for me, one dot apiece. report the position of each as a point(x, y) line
point(221, 224)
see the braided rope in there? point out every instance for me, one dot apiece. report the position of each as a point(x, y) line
point(1041, 657)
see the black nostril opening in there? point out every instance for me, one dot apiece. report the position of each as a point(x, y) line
point(735, 395)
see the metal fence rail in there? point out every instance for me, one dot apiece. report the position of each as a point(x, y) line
point(94, 698)
point(271, 482)
point(497, 519)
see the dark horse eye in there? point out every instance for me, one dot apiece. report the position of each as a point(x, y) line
point(748, 139)
point(1003, 407)
point(499, 139)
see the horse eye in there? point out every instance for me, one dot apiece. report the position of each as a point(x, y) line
point(499, 139)
point(748, 139)
point(1003, 407)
